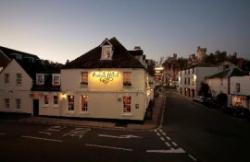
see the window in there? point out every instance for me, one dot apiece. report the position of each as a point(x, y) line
point(7, 102)
point(71, 103)
point(40, 79)
point(55, 99)
point(18, 103)
point(84, 78)
point(6, 78)
point(127, 78)
point(46, 100)
point(106, 52)
point(237, 86)
point(84, 103)
point(18, 79)
point(56, 79)
point(126, 104)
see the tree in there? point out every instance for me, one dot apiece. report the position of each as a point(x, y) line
point(204, 90)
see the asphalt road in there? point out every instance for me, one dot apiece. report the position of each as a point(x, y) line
point(206, 134)
point(42, 143)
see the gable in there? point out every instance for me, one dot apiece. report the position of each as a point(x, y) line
point(121, 58)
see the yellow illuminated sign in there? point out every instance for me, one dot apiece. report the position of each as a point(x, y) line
point(105, 76)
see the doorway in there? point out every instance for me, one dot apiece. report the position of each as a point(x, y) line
point(35, 107)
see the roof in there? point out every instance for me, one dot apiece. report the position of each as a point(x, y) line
point(200, 65)
point(136, 52)
point(4, 60)
point(9, 52)
point(48, 86)
point(29, 62)
point(229, 73)
point(121, 58)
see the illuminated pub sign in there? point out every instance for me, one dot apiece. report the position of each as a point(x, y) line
point(105, 76)
point(105, 80)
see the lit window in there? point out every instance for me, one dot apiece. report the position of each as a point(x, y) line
point(18, 79)
point(46, 99)
point(126, 104)
point(18, 103)
point(71, 103)
point(84, 103)
point(55, 100)
point(84, 78)
point(106, 52)
point(6, 78)
point(127, 79)
point(56, 79)
point(40, 79)
point(7, 102)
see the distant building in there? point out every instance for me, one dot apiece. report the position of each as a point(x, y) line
point(190, 79)
point(171, 69)
point(240, 91)
point(201, 54)
point(219, 83)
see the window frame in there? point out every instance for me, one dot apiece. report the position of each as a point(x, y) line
point(127, 104)
point(127, 78)
point(18, 103)
point(19, 79)
point(71, 103)
point(84, 78)
point(84, 103)
point(6, 78)
point(7, 105)
point(57, 103)
point(38, 81)
point(54, 81)
point(105, 49)
point(46, 100)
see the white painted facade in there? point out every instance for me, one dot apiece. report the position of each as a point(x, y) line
point(104, 100)
point(17, 95)
point(240, 91)
point(189, 80)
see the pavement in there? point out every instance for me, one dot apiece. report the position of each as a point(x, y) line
point(111, 124)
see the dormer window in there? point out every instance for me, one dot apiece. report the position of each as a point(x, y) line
point(56, 80)
point(106, 52)
point(40, 79)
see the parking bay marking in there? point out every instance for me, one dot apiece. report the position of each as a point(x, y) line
point(45, 139)
point(109, 147)
point(170, 151)
point(119, 137)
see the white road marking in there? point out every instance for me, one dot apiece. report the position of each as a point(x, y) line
point(45, 139)
point(77, 132)
point(163, 139)
point(161, 130)
point(2, 133)
point(158, 134)
point(164, 133)
point(168, 138)
point(170, 151)
point(192, 157)
point(109, 147)
point(119, 137)
point(44, 132)
point(167, 143)
point(175, 144)
point(155, 130)
point(56, 128)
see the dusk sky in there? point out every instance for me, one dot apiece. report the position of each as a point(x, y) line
point(64, 29)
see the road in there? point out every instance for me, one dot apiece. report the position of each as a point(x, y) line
point(40, 143)
point(206, 134)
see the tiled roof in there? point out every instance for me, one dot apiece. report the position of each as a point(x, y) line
point(121, 58)
point(47, 85)
point(229, 73)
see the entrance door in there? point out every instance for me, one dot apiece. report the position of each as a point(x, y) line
point(35, 107)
